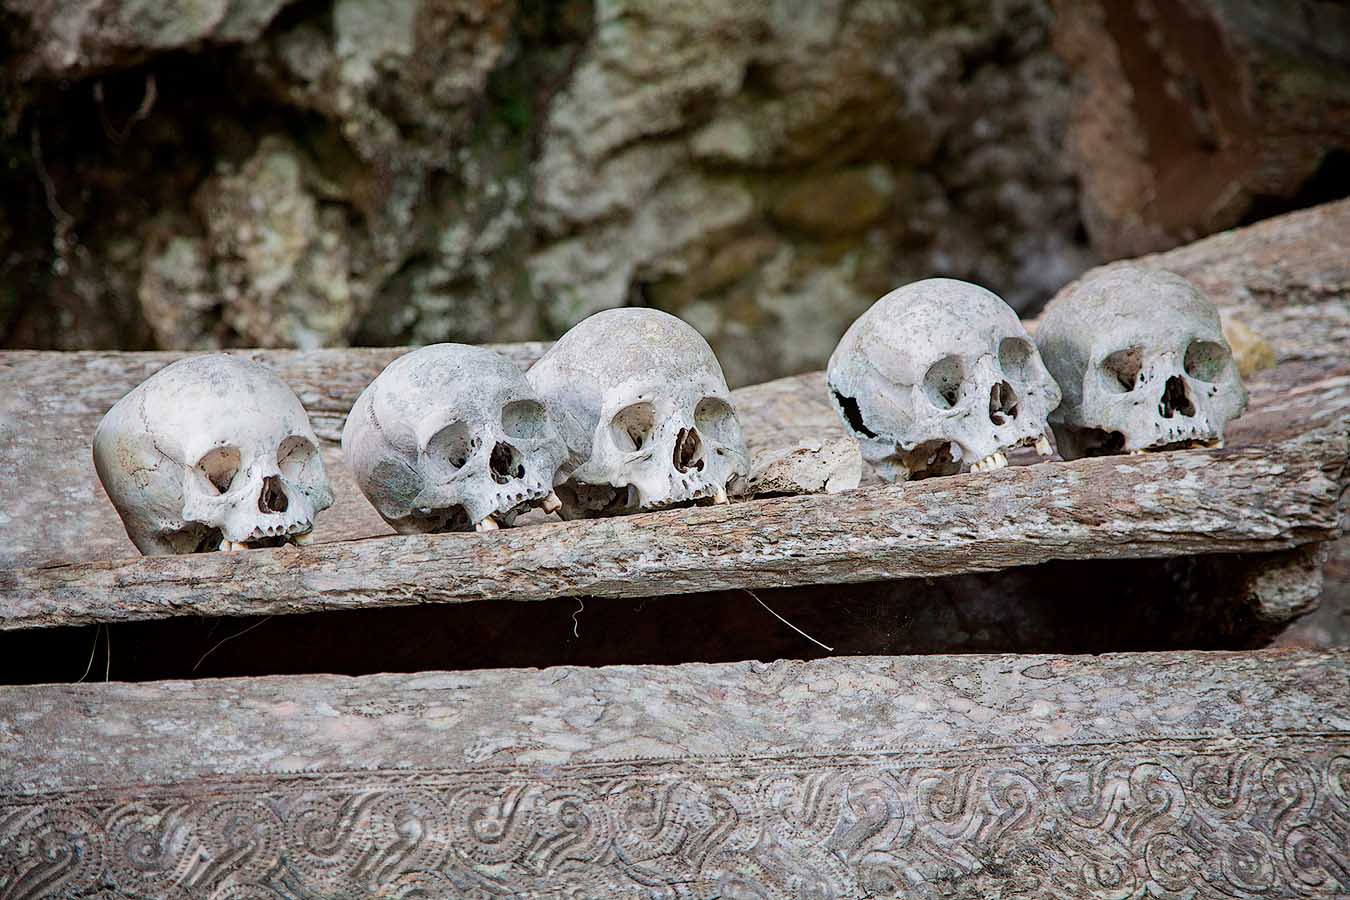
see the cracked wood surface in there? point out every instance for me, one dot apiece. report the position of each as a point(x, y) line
point(1204, 775)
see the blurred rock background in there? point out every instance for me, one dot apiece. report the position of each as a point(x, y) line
point(215, 173)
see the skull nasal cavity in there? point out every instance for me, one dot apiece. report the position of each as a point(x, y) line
point(505, 463)
point(1176, 399)
point(688, 450)
point(273, 496)
point(1002, 403)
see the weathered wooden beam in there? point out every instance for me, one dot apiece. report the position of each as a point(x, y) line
point(1163, 505)
point(1203, 775)
point(1276, 487)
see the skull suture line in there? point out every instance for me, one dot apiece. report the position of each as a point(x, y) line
point(939, 374)
point(1143, 364)
point(645, 411)
point(211, 452)
point(452, 437)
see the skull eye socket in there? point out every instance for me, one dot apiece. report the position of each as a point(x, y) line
point(1206, 360)
point(715, 419)
point(942, 382)
point(295, 457)
point(218, 468)
point(1121, 370)
point(524, 419)
point(631, 427)
point(453, 445)
point(1014, 357)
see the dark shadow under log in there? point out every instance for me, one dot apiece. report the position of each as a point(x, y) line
point(1060, 607)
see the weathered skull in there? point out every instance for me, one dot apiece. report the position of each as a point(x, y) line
point(1142, 361)
point(646, 413)
point(211, 452)
point(452, 437)
point(939, 374)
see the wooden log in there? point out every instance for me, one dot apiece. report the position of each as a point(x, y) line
point(1185, 774)
point(1163, 505)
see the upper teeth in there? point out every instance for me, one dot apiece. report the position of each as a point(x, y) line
point(1043, 446)
point(995, 460)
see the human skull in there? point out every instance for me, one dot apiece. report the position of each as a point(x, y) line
point(937, 375)
point(645, 411)
point(452, 437)
point(1143, 363)
point(211, 452)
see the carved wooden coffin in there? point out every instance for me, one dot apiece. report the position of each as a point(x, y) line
point(1169, 775)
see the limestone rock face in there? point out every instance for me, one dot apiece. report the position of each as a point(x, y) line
point(768, 169)
point(71, 38)
point(215, 173)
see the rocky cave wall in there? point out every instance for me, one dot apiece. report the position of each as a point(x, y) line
point(215, 173)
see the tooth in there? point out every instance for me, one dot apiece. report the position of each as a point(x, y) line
point(720, 496)
point(1043, 446)
point(304, 539)
point(488, 524)
point(551, 503)
point(1217, 445)
point(1136, 452)
point(226, 545)
point(1000, 461)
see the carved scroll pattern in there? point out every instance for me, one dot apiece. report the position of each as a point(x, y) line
point(1268, 818)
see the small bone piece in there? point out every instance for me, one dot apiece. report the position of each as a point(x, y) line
point(211, 453)
point(809, 469)
point(645, 411)
point(450, 438)
point(936, 375)
point(1143, 363)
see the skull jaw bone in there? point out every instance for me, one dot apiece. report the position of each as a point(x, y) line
point(679, 467)
point(941, 457)
point(962, 440)
point(267, 511)
point(485, 511)
point(581, 500)
point(1166, 410)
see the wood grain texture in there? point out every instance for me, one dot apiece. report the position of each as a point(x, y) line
point(1198, 775)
